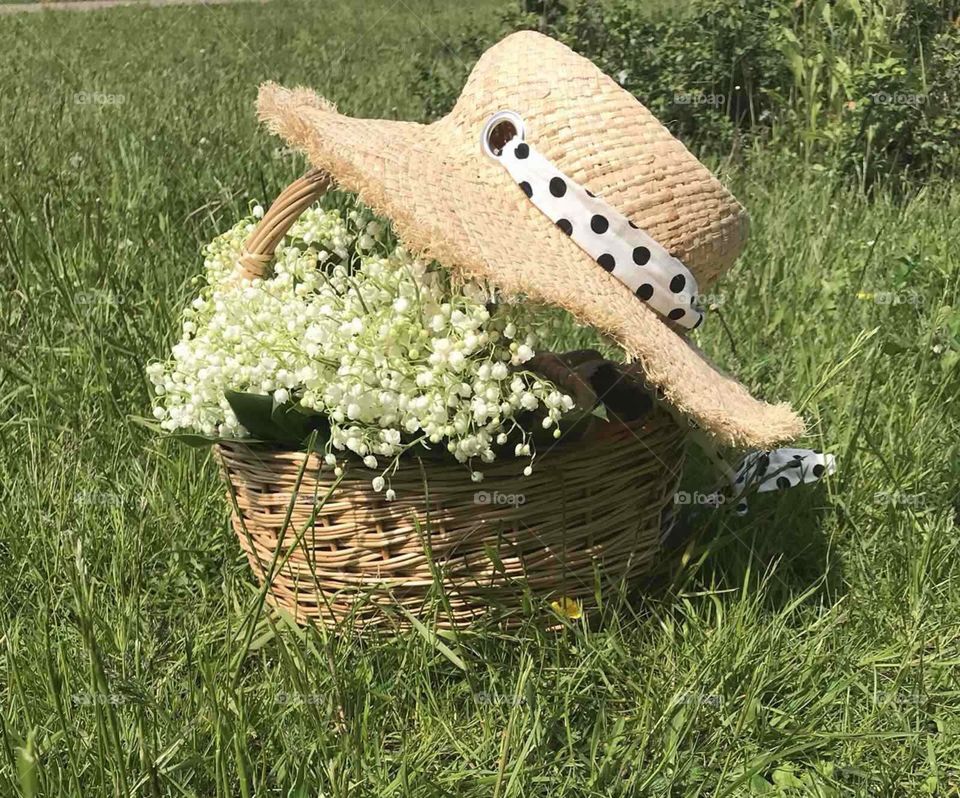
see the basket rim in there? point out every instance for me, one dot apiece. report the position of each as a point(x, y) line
point(610, 438)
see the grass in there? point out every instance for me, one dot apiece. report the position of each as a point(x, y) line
point(811, 648)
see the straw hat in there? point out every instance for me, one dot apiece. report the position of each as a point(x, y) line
point(450, 201)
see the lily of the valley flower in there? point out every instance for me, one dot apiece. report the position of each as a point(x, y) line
point(392, 351)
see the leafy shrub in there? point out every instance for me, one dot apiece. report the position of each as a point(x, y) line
point(865, 86)
point(902, 124)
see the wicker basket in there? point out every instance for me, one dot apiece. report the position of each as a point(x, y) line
point(588, 520)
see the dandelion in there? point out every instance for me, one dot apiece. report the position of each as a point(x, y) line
point(568, 608)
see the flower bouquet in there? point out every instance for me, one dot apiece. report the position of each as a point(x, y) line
point(352, 344)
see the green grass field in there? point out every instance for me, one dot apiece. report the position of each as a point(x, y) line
point(811, 648)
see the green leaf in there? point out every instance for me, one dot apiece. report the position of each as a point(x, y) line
point(268, 421)
point(624, 391)
point(760, 786)
point(784, 777)
point(147, 423)
point(27, 766)
point(254, 411)
point(296, 423)
point(194, 440)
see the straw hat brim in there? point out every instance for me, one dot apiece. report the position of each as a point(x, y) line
point(450, 202)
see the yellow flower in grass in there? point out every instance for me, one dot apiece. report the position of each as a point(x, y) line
point(567, 607)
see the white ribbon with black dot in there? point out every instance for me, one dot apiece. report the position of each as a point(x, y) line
point(653, 274)
point(760, 471)
point(780, 469)
point(606, 235)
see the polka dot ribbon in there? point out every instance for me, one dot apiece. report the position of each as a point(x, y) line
point(606, 235)
point(761, 471)
point(778, 470)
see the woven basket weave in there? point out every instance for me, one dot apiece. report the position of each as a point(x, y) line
point(336, 552)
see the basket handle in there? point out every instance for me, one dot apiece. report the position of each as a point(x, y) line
point(270, 230)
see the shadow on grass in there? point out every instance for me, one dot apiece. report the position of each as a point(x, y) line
point(779, 544)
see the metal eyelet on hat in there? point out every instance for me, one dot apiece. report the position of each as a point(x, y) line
point(501, 118)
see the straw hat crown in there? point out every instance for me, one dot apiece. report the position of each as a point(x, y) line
point(607, 141)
